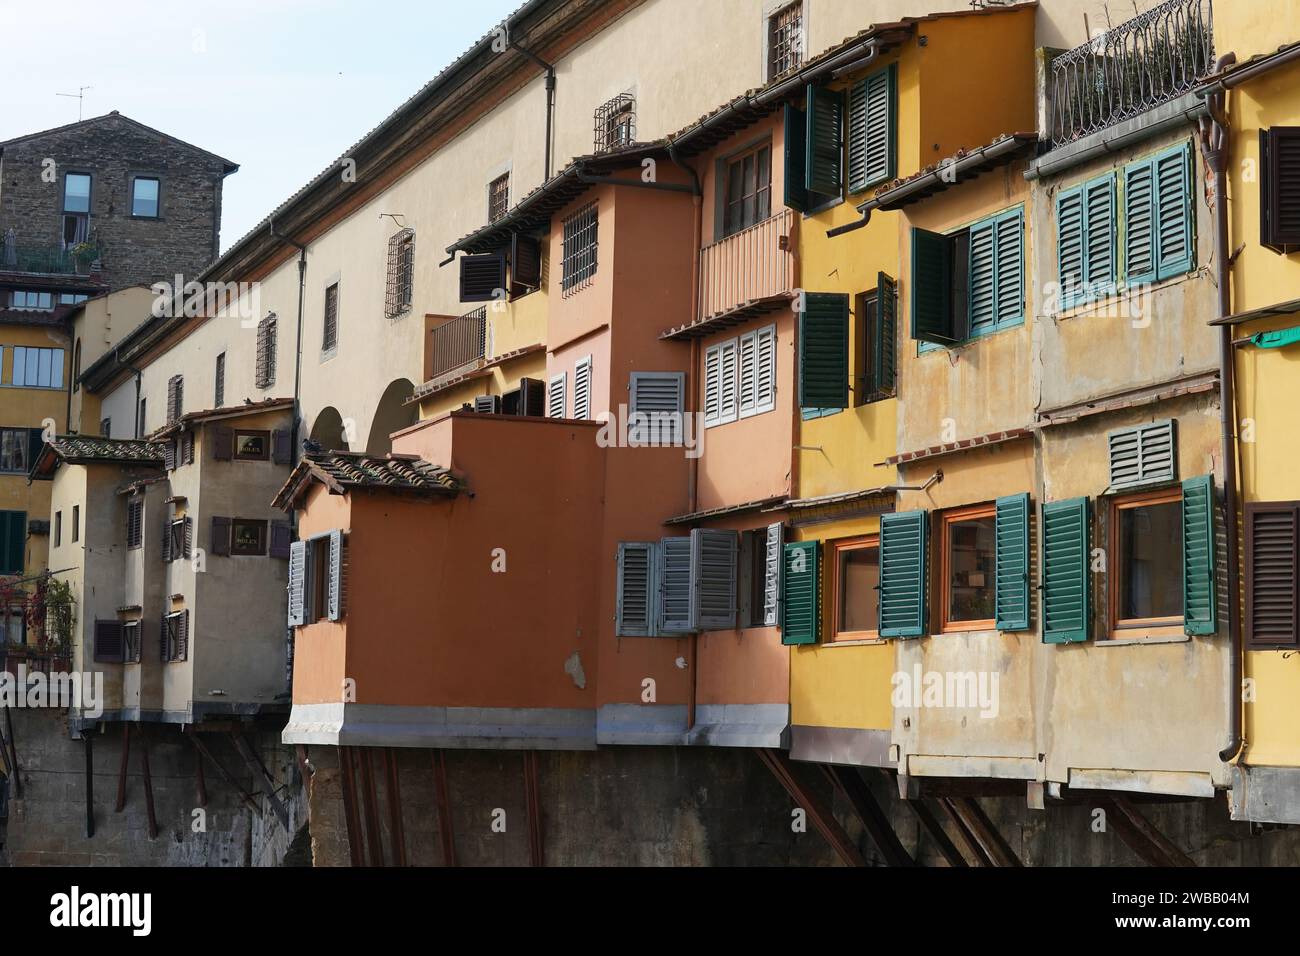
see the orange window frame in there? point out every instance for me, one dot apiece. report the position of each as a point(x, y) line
point(861, 543)
point(946, 520)
point(1125, 628)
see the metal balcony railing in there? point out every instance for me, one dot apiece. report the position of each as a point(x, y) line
point(1155, 57)
point(459, 343)
point(754, 263)
point(49, 259)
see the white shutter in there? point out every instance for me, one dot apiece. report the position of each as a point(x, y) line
point(657, 399)
point(713, 579)
point(727, 382)
point(747, 362)
point(297, 582)
point(555, 396)
point(712, 383)
point(765, 370)
point(772, 574)
point(582, 388)
point(335, 598)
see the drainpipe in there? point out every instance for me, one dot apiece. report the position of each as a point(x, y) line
point(297, 365)
point(550, 99)
point(1214, 147)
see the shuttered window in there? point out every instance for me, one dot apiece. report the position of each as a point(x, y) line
point(175, 397)
point(1199, 602)
point(109, 647)
point(1272, 546)
point(555, 397)
point(720, 383)
point(297, 583)
point(1279, 185)
point(656, 402)
point(872, 129)
point(904, 554)
point(219, 390)
point(772, 564)
point(934, 314)
point(713, 579)
point(176, 636)
point(582, 388)
point(135, 523)
point(1011, 563)
point(674, 585)
point(264, 371)
point(1067, 600)
point(336, 582)
point(482, 277)
point(824, 163)
point(578, 252)
point(1086, 240)
point(1142, 455)
point(824, 351)
point(800, 593)
point(882, 369)
point(329, 338)
point(756, 361)
point(1159, 219)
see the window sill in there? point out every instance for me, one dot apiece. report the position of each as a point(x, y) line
point(857, 642)
point(327, 354)
point(1151, 639)
point(923, 348)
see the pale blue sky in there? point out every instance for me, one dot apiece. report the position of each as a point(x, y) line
point(281, 87)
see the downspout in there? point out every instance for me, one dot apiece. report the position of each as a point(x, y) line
point(1214, 148)
point(297, 365)
point(138, 375)
point(550, 99)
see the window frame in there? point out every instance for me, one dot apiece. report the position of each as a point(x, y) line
point(329, 339)
point(23, 443)
point(495, 210)
point(131, 646)
point(57, 358)
point(726, 228)
point(263, 537)
point(943, 540)
point(1138, 629)
point(796, 44)
point(158, 204)
point(263, 433)
point(579, 263)
point(838, 548)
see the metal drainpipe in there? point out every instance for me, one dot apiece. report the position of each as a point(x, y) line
point(1214, 147)
point(550, 99)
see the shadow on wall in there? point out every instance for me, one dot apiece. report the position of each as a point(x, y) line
point(392, 414)
point(327, 430)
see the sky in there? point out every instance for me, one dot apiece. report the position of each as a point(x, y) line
point(281, 87)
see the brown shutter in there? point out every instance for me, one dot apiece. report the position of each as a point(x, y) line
point(1272, 599)
point(108, 642)
point(219, 543)
point(187, 448)
point(532, 397)
point(167, 542)
point(280, 450)
point(1280, 188)
point(223, 442)
point(281, 537)
point(189, 537)
point(164, 639)
point(169, 455)
point(183, 635)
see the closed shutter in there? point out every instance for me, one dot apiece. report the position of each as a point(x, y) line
point(281, 537)
point(525, 263)
point(727, 394)
point(674, 580)
point(746, 361)
point(169, 454)
point(656, 402)
point(297, 582)
point(1198, 556)
point(1272, 549)
point(1139, 223)
point(182, 636)
point(175, 402)
point(1174, 213)
point(223, 442)
point(1011, 562)
point(634, 615)
point(1142, 455)
point(800, 594)
point(796, 136)
point(13, 541)
point(110, 647)
point(824, 351)
point(555, 403)
point(487, 404)
point(1009, 268)
point(337, 576)
point(281, 446)
point(983, 290)
point(713, 579)
point(532, 394)
point(772, 575)
point(1067, 599)
point(187, 448)
point(582, 389)
point(904, 562)
point(1070, 255)
point(765, 370)
point(482, 277)
point(219, 542)
point(1099, 233)
point(713, 385)
point(189, 538)
point(871, 136)
point(1279, 157)
point(932, 305)
point(824, 163)
point(134, 524)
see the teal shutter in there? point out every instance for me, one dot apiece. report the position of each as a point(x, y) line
point(932, 319)
point(872, 135)
point(796, 135)
point(1070, 246)
point(1009, 268)
point(1099, 233)
point(1139, 223)
point(824, 149)
point(1173, 212)
point(824, 351)
point(13, 541)
point(885, 347)
point(800, 594)
point(982, 273)
point(1066, 596)
point(1198, 555)
point(903, 573)
point(1011, 563)
point(674, 582)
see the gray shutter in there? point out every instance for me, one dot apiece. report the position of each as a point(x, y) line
point(219, 541)
point(1142, 455)
point(713, 579)
point(189, 537)
point(582, 388)
point(674, 586)
point(169, 454)
point(634, 614)
point(109, 647)
point(555, 398)
point(487, 404)
point(772, 575)
point(280, 446)
point(281, 537)
point(297, 582)
point(164, 639)
point(166, 541)
point(223, 442)
point(336, 576)
point(660, 396)
point(183, 635)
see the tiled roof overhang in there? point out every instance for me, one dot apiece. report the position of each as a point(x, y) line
point(762, 504)
point(228, 411)
point(88, 449)
point(736, 315)
point(344, 472)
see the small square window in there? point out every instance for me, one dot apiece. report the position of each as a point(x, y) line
point(855, 586)
point(247, 536)
point(252, 445)
point(144, 197)
point(615, 123)
point(498, 197)
point(966, 568)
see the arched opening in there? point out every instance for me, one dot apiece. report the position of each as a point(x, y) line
point(392, 414)
point(327, 430)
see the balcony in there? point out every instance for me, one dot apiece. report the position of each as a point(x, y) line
point(459, 344)
point(47, 258)
point(747, 267)
point(1151, 59)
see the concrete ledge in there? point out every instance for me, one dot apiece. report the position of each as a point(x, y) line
point(477, 728)
point(1172, 782)
point(997, 768)
point(740, 725)
point(1265, 794)
point(643, 724)
point(840, 745)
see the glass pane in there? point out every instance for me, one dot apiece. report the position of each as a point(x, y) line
point(56, 370)
point(19, 376)
point(1151, 558)
point(970, 569)
point(43, 368)
point(76, 192)
point(144, 202)
point(33, 364)
point(859, 599)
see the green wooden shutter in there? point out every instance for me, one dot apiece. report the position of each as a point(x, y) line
point(1099, 233)
point(13, 541)
point(1139, 222)
point(713, 579)
point(674, 580)
point(1011, 563)
point(1009, 268)
point(885, 347)
point(871, 130)
point(1070, 252)
point(824, 147)
point(983, 308)
point(1198, 556)
point(634, 613)
point(1066, 584)
point(824, 350)
point(800, 594)
point(904, 552)
point(1174, 215)
point(796, 135)
point(932, 319)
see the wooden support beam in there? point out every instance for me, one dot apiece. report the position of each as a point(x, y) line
point(934, 828)
point(1141, 836)
point(849, 782)
point(349, 785)
point(122, 768)
point(369, 805)
point(15, 770)
point(533, 797)
point(446, 832)
point(393, 790)
point(148, 782)
point(804, 798)
point(254, 763)
point(225, 774)
point(981, 828)
point(89, 740)
point(970, 847)
point(200, 781)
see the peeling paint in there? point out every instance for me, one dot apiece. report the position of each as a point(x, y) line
point(573, 667)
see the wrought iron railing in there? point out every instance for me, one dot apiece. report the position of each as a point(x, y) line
point(45, 258)
point(1155, 57)
point(459, 343)
point(751, 264)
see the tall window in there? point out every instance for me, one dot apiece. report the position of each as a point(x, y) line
point(264, 373)
point(579, 262)
point(144, 197)
point(966, 568)
point(856, 588)
point(1146, 562)
point(330, 333)
point(175, 397)
point(785, 40)
point(140, 423)
point(498, 197)
point(219, 393)
point(401, 273)
point(615, 123)
point(749, 190)
point(76, 208)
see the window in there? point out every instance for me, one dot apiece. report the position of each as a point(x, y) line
point(31, 301)
point(1272, 547)
point(58, 528)
point(76, 209)
point(1159, 220)
point(615, 123)
point(175, 642)
point(37, 368)
point(740, 377)
point(76, 365)
point(555, 396)
point(18, 448)
point(760, 576)
point(677, 585)
point(1146, 562)
point(175, 397)
point(855, 595)
point(748, 197)
point(1086, 240)
point(76, 522)
point(966, 569)
point(330, 333)
point(13, 627)
point(106, 428)
point(823, 352)
point(144, 197)
point(140, 430)
point(875, 324)
point(72, 298)
point(318, 579)
point(401, 273)
point(135, 523)
point(178, 540)
point(579, 262)
point(264, 373)
point(785, 40)
point(131, 642)
point(13, 541)
point(247, 536)
point(872, 125)
point(219, 391)
point(582, 388)
point(1279, 189)
point(968, 283)
point(499, 197)
point(252, 445)
point(655, 406)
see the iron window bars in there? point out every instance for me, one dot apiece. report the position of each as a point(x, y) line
point(578, 264)
point(615, 123)
point(401, 268)
point(785, 40)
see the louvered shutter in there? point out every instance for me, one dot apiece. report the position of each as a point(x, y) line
point(219, 542)
point(824, 351)
point(482, 277)
point(1198, 556)
point(772, 575)
point(932, 305)
point(657, 399)
point(1099, 235)
point(674, 580)
point(281, 537)
point(713, 384)
point(169, 455)
point(824, 162)
point(188, 537)
point(1011, 562)
point(904, 563)
point(871, 136)
point(187, 448)
point(337, 576)
point(1139, 223)
point(1175, 252)
point(747, 367)
point(634, 615)
point(555, 396)
point(1272, 546)
point(982, 273)
point(297, 582)
point(165, 638)
point(796, 136)
point(1067, 598)
point(885, 347)
point(281, 446)
point(1070, 253)
point(1142, 455)
point(525, 263)
point(1279, 220)
point(800, 593)
point(487, 404)
point(109, 645)
point(532, 397)
point(1009, 262)
point(166, 541)
point(582, 389)
point(223, 442)
point(727, 392)
point(183, 635)
point(713, 579)
point(765, 370)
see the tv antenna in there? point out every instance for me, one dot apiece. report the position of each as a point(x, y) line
point(79, 96)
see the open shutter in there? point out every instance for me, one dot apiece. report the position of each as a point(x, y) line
point(1139, 223)
point(169, 454)
point(525, 263)
point(712, 384)
point(1198, 556)
point(532, 392)
point(871, 130)
point(824, 351)
point(885, 347)
point(334, 610)
point(796, 136)
point(932, 305)
point(167, 541)
point(35, 442)
point(1067, 599)
point(165, 638)
point(183, 635)
point(800, 594)
point(13, 541)
point(482, 277)
point(1173, 212)
point(983, 289)
point(1070, 253)
point(487, 404)
point(674, 580)
point(1272, 546)
point(281, 537)
point(772, 575)
point(109, 644)
point(904, 561)
point(824, 163)
point(765, 370)
point(188, 537)
point(223, 442)
point(281, 450)
point(634, 615)
point(1279, 180)
point(219, 542)
point(297, 581)
point(1008, 265)
point(1011, 563)
point(713, 579)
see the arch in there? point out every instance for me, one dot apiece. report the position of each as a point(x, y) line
point(392, 414)
point(327, 430)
